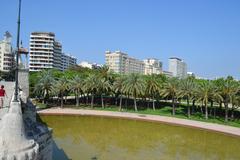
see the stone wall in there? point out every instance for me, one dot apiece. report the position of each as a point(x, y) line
point(37, 131)
point(23, 78)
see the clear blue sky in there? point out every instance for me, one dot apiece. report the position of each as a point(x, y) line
point(205, 33)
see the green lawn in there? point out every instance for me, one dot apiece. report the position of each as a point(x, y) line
point(164, 111)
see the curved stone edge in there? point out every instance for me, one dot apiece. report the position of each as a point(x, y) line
point(223, 129)
point(14, 143)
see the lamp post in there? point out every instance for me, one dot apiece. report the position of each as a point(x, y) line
point(17, 53)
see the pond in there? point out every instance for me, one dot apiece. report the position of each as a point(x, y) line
point(102, 138)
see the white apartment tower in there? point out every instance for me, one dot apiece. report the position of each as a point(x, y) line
point(41, 53)
point(178, 67)
point(152, 66)
point(67, 61)
point(120, 62)
point(6, 53)
point(46, 53)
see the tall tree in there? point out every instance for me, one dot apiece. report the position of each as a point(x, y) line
point(76, 85)
point(135, 86)
point(118, 88)
point(60, 87)
point(205, 92)
point(187, 91)
point(228, 89)
point(171, 89)
point(44, 84)
point(152, 88)
point(91, 86)
point(103, 86)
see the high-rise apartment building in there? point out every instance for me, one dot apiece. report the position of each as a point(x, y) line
point(57, 55)
point(42, 48)
point(6, 53)
point(152, 66)
point(178, 67)
point(67, 61)
point(46, 52)
point(120, 62)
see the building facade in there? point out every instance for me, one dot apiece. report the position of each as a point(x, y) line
point(178, 67)
point(152, 66)
point(121, 63)
point(46, 53)
point(41, 53)
point(67, 61)
point(6, 53)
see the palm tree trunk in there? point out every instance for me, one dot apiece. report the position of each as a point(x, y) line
point(232, 113)
point(214, 111)
point(201, 108)
point(206, 111)
point(87, 98)
point(61, 100)
point(226, 111)
point(120, 103)
point(188, 106)
point(148, 102)
point(153, 101)
point(193, 106)
point(126, 101)
point(135, 104)
point(173, 106)
point(116, 100)
point(211, 108)
point(92, 100)
point(102, 101)
point(77, 100)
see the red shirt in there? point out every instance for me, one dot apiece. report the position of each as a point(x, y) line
point(2, 92)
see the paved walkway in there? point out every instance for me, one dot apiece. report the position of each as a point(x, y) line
point(9, 87)
point(177, 121)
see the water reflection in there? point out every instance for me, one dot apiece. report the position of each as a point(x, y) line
point(98, 138)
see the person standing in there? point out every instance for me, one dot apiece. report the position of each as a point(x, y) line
point(2, 95)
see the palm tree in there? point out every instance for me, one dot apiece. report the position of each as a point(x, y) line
point(205, 92)
point(91, 85)
point(171, 89)
point(118, 88)
point(60, 87)
point(103, 86)
point(187, 89)
point(152, 88)
point(228, 89)
point(77, 87)
point(135, 86)
point(44, 84)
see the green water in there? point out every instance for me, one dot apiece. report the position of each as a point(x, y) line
point(99, 138)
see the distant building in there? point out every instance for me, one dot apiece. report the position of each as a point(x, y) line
point(6, 53)
point(57, 55)
point(120, 62)
point(67, 61)
point(89, 65)
point(46, 52)
point(152, 66)
point(178, 67)
point(168, 74)
point(86, 64)
point(190, 74)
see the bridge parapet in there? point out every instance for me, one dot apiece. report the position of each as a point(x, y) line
point(22, 137)
point(14, 144)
